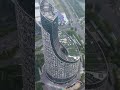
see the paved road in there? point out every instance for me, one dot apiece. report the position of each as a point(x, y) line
point(74, 19)
point(109, 87)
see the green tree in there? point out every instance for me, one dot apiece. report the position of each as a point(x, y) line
point(38, 86)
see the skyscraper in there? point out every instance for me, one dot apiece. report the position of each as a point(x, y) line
point(58, 67)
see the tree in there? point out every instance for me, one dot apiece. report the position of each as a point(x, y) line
point(39, 86)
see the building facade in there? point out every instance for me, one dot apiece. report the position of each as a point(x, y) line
point(58, 67)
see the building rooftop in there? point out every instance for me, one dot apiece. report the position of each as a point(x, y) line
point(47, 10)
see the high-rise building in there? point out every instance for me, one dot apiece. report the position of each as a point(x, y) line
point(58, 67)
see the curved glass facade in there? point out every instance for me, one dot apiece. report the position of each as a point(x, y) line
point(58, 66)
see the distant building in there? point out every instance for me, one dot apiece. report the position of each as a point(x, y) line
point(58, 67)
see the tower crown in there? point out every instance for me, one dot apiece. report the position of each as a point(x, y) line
point(47, 10)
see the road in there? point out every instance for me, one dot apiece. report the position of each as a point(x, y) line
point(75, 20)
point(110, 87)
